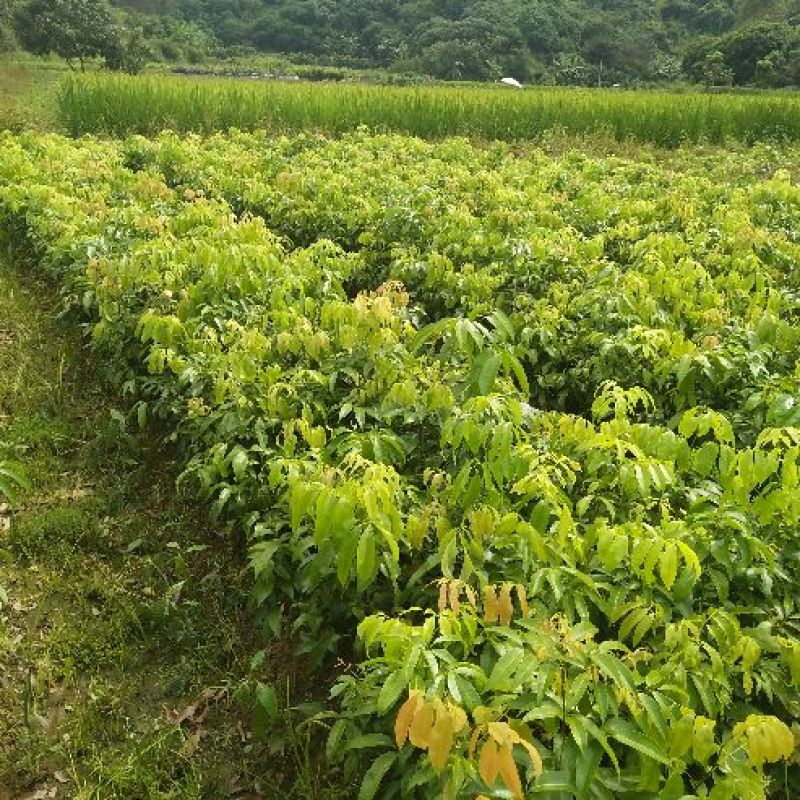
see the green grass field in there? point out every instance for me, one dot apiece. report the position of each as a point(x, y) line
point(118, 106)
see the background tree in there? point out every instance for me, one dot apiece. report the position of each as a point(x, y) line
point(8, 39)
point(76, 30)
point(716, 71)
point(575, 41)
point(744, 48)
point(128, 51)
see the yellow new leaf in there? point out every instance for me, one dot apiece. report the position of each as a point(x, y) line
point(420, 729)
point(505, 608)
point(489, 762)
point(690, 557)
point(442, 596)
point(490, 611)
point(508, 770)
point(459, 717)
point(404, 717)
point(522, 595)
point(768, 739)
point(440, 740)
point(455, 591)
point(668, 565)
point(499, 731)
point(473, 743)
point(482, 714)
point(471, 596)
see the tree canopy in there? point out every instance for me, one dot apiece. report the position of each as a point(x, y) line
point(72, 29)
point(565, 41)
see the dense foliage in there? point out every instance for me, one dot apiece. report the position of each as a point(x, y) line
point(581, 42)
point(578, 41)
point(530, 424)
point(121, 105)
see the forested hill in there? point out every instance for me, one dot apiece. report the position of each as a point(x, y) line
point(557, 41)
point(566, 41)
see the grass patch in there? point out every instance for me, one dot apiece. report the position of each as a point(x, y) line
point(55, 529)
point(27, 96)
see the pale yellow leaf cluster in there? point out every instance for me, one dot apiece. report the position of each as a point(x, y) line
point(767, 739)
point(496, 757)
point(498, 606)
point(429, 725)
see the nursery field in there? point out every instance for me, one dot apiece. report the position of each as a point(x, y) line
point(510, 439)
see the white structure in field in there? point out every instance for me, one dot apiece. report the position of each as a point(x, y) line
point(511, 82)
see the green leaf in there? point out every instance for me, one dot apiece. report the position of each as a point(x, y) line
point(631, 621)
point(366, 560)
point(8, 489)
point(501, 678)
point(488, 373)
point(600, 737)
point(643, 627)
point(345, 555)
point(502, 323)
point(391, 690)
point(368, 740)
point(240, 461)
point(629, 735)
point(586, 767)
point(261, 555)
point(611, 666)
point(265, 711)
point(334, 737)
point(553, 782)
point(513, 365)
point(674, 788)
point(655, 716)
point(267, 699)
point(668, 565)
point(12, 478)
point(374, 775)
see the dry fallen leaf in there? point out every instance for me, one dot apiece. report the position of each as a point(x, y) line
point(44, 793)
point(197, 711)
point(181, 716)
point(192, 743)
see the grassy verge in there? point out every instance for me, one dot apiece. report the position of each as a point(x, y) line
point(27, 95)
point(125, 643)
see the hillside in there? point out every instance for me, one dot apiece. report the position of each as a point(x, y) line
point(581, 42)
point(563, 41)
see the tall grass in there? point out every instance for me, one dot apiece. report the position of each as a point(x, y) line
point(119, 105)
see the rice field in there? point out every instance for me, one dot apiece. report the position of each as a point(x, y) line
point(122, 105)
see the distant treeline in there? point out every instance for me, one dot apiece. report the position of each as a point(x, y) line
point(579, 42)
